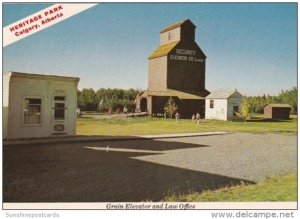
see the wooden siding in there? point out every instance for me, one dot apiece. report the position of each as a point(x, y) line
point(277, 112)
point(170, 36)
point(157, 78)
point(186, 75)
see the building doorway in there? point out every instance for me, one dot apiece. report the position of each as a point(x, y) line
point(144, 104)
point(235, 110)
point(59, 115)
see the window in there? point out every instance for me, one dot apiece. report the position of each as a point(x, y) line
point(62, 98)
point(59, 111)
point(59, 107)
point(211, 104)
point(169, 36)
point(32, 111)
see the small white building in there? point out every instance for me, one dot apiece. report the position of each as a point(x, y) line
point(222, 105)
point(36, 106)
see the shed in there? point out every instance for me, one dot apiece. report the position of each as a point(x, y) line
point(222, 105)
point(36, 106)
point(277, 111)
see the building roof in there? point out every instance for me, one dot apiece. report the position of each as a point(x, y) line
point(173, 93)
point(163, 50)
point(223, 94)
point(178, 24)
point(278, 105)
point(41, 77)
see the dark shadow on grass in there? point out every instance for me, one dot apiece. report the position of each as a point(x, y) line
point(74, 173)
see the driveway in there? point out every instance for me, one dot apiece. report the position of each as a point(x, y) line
point(142, 170)
point(252, 157)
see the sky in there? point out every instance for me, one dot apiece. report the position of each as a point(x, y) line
point(251, 47)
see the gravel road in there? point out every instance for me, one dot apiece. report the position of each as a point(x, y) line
point(241, 155)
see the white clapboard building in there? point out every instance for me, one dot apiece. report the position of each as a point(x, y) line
point(36, 106)
point(222, 105)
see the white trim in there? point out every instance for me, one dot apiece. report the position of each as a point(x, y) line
point(23, 107)
point(53, 120)
point(42, 77)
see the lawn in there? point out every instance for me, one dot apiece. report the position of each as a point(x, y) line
point(281, 188)
point(147, 125)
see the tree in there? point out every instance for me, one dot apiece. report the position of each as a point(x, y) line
point(100, 107)
point(170, 107)
point(79, 99)
point(245, 111)
point(106, 99)
point(289, 97)
point(110, 104)
point(88, 98)
point(286, 96)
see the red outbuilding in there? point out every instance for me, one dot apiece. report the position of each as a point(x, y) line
point(277, 111)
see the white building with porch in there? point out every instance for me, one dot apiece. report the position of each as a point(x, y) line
point(36, 106)
point(222, 105)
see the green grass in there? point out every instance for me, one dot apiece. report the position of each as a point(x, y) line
point(281, 188)
point(148, 125)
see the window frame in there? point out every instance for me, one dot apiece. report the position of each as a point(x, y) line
point(211, 104)
point(65, 108)
point(41, 111)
